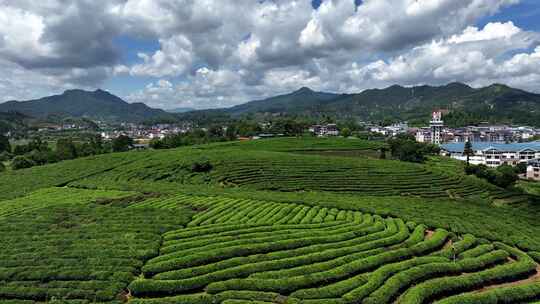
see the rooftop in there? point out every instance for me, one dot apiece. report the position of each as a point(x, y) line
point(511, 147)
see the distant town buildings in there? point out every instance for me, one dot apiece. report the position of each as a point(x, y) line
point(480, 133)
point(533, 170)
point(392, 130)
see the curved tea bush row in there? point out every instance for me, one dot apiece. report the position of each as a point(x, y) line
point(511, 294)
point(159, 264)
point(228, 211)
point(447, 285)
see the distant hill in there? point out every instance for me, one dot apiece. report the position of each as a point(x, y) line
point(496, 103)
point(180, 110)
point(98, 104)
point(302, 100)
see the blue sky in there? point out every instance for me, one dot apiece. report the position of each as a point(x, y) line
point(212, 53)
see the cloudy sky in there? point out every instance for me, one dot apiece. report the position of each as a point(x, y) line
point(216, 53)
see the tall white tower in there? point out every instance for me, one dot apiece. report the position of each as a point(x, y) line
point(436, 125)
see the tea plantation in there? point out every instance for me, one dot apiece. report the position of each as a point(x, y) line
point(260, 222)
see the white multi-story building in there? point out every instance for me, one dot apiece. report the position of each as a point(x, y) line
point(533, 170)
point(495, 154)
point(436, 124)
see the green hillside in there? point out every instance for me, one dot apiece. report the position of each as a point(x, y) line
point(285, 220)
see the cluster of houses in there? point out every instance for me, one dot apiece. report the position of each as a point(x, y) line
point(492, 145)
point(481, 133)
point(143, 133)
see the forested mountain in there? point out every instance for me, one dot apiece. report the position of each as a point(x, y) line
point(98, 104)
point(495, 103)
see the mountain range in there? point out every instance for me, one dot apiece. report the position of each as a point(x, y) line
point(98, 104)
point(495, 103)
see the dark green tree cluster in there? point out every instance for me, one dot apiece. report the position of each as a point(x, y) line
point(38, 152)
point(5, 150)
point(503, 176)
point(4, 144)
point(287, 126)
point(243, 128)
point(122, 143)
point(405, 148)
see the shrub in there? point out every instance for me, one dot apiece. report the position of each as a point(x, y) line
point(21, 162)
point(201, 166)
point(2, 167)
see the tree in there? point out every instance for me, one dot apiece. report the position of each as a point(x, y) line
point(5, 146)
point(65, 149)
point(382, 152)
point(521, 168)
point(505, 176)
point(96, 143)
point(122, 143)
point(21, 162)
point(38, 157)
point(346, 132)
point(468, 151)
point(231, 132)
point(405, 148)
point(215, 131)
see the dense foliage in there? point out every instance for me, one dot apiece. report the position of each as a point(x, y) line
point(405, 148)
point(503, 176)
point(4, 144)
point(38, 152)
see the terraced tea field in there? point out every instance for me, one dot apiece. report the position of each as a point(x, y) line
point(280, 171)
point(107, 248)
point(366, 176)
point(263, 224)
point(245, 251)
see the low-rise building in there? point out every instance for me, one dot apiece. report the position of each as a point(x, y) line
point(533, 170)
point(325, 130)
point(494, 154)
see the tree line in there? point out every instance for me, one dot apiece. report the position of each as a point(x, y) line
point(39, 152)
